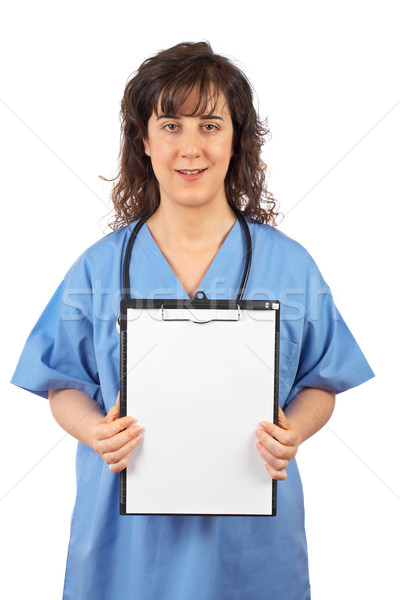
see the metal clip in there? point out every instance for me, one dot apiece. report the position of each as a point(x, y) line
point(164, 318)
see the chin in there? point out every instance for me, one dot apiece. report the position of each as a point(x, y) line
point(193, 202)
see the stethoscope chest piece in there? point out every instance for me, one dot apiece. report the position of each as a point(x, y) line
point(118, 324)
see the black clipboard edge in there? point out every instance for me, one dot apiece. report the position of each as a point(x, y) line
point(122, 410)
point(157, 303)
point(276, 400)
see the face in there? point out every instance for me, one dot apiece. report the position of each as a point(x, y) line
point(190, 155)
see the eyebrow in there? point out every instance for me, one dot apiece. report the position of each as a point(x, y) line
point(203, 117)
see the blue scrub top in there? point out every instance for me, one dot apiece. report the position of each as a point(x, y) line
point(75, 344)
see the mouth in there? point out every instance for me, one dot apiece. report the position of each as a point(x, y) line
point(191, 174)
point(190, 171)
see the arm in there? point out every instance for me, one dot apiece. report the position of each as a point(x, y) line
point(310, 410)
point(110, 436)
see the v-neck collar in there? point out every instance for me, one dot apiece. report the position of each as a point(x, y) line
point(217, 268)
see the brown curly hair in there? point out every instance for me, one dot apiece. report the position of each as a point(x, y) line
point(170, 76)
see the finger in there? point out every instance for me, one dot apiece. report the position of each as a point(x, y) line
point(108, 430)
point(284, 436)
point(111, 444)
point(119, 466)
point(122, 453)
point(115, 442)
point(274, 447)
point(282, 420)
point(275, 468)
point(112, 414)
point(278, 475)
point(278, 464)
point(273, 433)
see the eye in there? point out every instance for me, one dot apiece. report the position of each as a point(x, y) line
point(171, 127)
point(210, 127)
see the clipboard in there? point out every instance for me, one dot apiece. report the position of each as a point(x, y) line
point(198, 375)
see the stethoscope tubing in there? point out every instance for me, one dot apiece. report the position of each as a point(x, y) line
point(142, 221)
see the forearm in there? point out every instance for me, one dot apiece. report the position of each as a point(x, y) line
point(309, 411)
point(76, 412)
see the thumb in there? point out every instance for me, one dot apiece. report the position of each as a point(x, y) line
point(283, 423)
point(113, 413)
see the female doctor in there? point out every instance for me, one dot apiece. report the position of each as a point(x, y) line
point(190, 159)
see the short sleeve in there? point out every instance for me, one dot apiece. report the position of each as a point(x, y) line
point(59, 352)
point(330, 358)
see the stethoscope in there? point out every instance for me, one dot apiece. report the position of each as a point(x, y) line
point(200, 295)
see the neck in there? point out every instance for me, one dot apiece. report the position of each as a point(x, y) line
point(182, 226)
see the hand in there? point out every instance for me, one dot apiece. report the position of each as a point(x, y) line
point(278, 445)
point(114, 439)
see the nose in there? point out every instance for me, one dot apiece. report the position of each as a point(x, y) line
point(191, 143)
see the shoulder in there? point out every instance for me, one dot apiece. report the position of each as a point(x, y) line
point(267, 235)
point(271, 241)
point(282, 260)
point(100, 256)
point(112, 242)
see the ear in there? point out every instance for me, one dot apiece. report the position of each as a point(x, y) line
point(146, 146)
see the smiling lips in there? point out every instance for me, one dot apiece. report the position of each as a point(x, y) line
point(191, 174)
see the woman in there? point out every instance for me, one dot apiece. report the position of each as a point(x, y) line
point(190, 158)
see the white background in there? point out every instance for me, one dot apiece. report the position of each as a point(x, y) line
point(326, 76)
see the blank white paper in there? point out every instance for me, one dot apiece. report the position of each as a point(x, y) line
point(199, 391)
